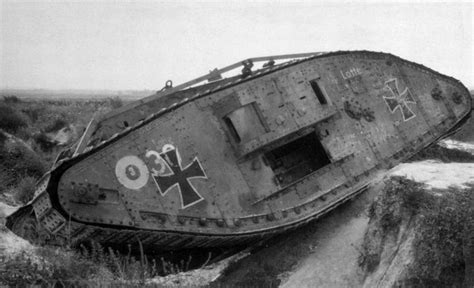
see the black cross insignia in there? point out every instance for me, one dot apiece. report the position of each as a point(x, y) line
point(399, 100)
point(179, 177)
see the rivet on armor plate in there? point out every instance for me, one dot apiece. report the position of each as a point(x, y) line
point(256, 164)
point(255, 220)
point(436, 93)
point(181, 220)
point(297, 210)
point(220, 222)
point(323, 198)
point(457, 98)
point(270, 217)
point(237, 222)
point(81, 191)
point(284, 214)
point(202, 221)
point(280, 119)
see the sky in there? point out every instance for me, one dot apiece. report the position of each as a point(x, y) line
point(139, 45)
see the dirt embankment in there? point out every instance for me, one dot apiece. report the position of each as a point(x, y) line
point(419, 237)
point(362, 244)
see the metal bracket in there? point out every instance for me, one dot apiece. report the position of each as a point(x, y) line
point(91, 127)
point(85, 193)
point(53, 221)
point(42, 205)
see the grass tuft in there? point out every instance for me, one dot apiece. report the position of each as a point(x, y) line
point(89, 266)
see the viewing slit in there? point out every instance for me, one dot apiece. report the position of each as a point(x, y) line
point(297, 159)
point(319, 93)
point(232, 129)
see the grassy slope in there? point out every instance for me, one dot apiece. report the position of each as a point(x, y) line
point(24, 155)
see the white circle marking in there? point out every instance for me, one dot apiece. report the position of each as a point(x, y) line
point(121, 172)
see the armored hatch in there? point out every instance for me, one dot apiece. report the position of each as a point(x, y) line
point(244, 157)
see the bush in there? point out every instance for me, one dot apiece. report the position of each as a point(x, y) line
point(44, 142)
point(115, 102)
point(34, 111)
point(11, 120)
point(56, 125)
point(22, 161)
point(11, 99)
point(25, 189)
point(441, 236)
point(27, 162)
point(7, 178)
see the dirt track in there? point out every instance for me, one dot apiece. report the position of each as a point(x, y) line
point(323, 253)
point(333, 261)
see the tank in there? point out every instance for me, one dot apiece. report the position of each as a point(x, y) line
point(222, 161)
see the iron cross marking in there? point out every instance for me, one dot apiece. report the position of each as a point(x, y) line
point(179, 177)
point(399, 100)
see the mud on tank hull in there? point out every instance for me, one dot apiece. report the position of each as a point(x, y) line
point(244, 158)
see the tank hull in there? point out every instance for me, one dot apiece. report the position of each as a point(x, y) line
point(252, 157)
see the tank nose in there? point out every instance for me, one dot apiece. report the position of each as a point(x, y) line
point(454, 95)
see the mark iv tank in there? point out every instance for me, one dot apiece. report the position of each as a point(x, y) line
point(242, 158)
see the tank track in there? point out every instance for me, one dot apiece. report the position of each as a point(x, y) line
point(74, 233)
point(46, 208)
